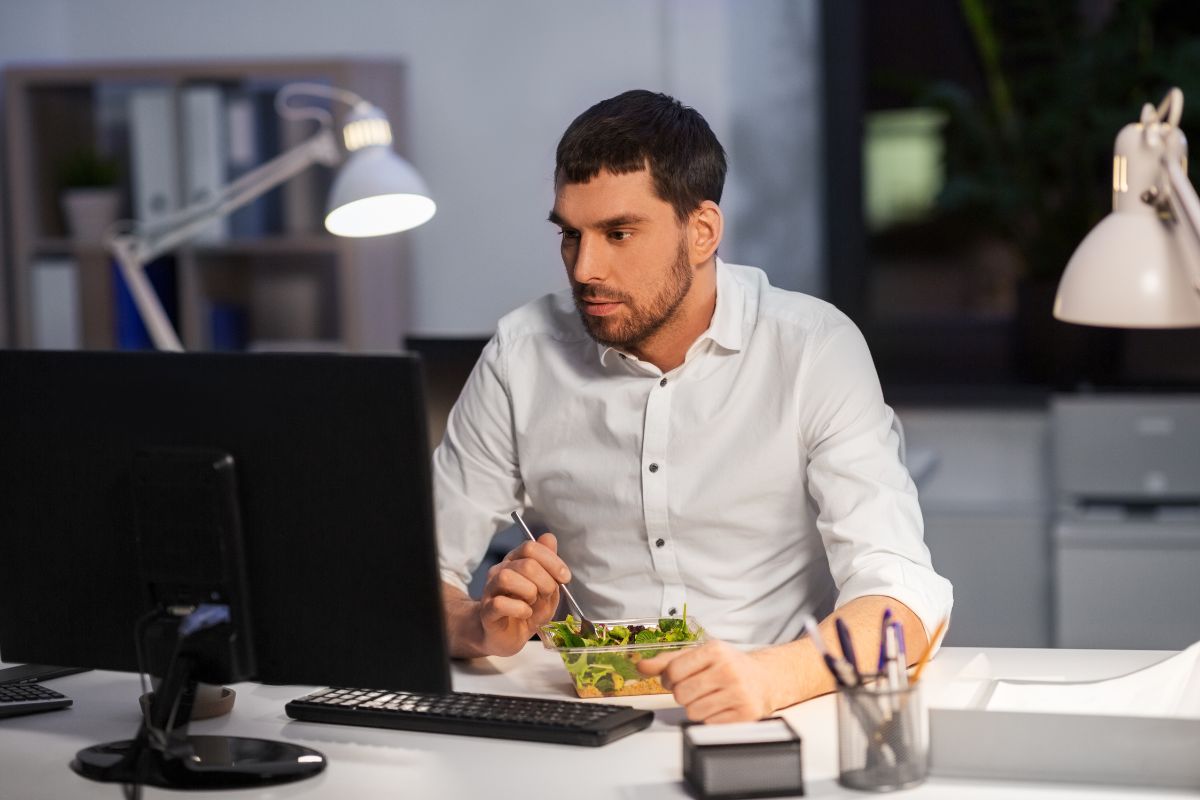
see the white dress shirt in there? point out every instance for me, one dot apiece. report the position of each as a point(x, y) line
point(758, 481)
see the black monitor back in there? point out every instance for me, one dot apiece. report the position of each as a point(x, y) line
point(332, 471)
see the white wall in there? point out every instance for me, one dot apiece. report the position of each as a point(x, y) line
point(492, 85)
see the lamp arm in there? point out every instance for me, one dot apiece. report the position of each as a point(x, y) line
point(133, 250)
point(321, 148)
point(1188, 205)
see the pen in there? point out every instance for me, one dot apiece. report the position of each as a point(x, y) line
point(933, 641)
point(848, 679)
point(843, 634)
point(891, 648)
point(887, 618)
point(901, 657)
point(843, 673)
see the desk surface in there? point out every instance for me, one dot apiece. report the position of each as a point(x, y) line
point(370, 763)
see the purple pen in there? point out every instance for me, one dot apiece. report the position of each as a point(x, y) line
point(843, 673)
point(901, 655)
point(887, 620)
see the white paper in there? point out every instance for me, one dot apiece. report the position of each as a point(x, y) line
point(1170, 688)
point(770, 730)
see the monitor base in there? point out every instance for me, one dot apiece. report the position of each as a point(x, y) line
point(206, 762)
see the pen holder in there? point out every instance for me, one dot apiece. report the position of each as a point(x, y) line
point(883, 737)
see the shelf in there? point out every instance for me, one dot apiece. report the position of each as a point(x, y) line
point(295, 280)
point(55, 246)
point(273, 245)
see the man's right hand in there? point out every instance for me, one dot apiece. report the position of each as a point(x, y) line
point(521, 594)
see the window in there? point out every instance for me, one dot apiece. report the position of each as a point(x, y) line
point(969, 150)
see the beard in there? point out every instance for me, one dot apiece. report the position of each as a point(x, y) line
point(636, 322)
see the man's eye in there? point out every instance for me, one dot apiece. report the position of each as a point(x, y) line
point(619, 236)
point(568, 235)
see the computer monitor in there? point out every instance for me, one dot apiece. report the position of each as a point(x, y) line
point(331, 491)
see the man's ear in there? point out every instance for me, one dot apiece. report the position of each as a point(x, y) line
point(705, 227)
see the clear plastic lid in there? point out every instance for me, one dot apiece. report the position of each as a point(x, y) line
point(546, 634)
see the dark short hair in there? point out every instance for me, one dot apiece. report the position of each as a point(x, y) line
point(639, 128)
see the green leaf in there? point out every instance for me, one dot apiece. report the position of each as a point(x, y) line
point(576, 666)
point(620, 663)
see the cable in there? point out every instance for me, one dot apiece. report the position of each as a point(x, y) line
point(312, 90)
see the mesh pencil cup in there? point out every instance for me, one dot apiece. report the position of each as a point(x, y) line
point(883, 737)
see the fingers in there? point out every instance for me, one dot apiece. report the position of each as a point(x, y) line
point(545, 553)
point(499, 607)
point(714, 707)
point(681, 665)
point(714, 682)
point(655, 666)
point(523, 578)
point(523, 586)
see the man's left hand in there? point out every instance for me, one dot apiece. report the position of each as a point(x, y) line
point(715, 682)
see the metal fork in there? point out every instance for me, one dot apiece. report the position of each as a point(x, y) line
point(586, 628)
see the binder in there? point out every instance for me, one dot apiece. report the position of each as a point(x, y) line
point(241, 118)
point(54, 287)
point(154, 153)
point(204, 132)
point(304, 195)
point(253, 128)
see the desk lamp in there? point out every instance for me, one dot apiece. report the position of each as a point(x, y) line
point(375, 192)
point(1140, 266)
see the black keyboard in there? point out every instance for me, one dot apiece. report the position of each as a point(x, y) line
point(29, 698)
point(497, 716)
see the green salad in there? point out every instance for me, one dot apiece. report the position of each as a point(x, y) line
point(611, 673)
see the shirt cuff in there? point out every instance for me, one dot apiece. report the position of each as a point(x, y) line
point(452, 578)
point(931, 604)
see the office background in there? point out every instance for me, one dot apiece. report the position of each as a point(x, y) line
point(839, 162)
point(490, 88)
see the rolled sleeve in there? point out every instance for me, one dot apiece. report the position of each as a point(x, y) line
point(868, 515)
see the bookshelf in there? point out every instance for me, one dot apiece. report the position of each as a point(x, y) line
point(290, 284)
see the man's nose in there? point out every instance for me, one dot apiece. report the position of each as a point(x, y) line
point(589, 261)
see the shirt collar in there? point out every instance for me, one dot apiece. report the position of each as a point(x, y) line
point(725, 328)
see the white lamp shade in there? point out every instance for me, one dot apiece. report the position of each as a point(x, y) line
point(376, 192)
point(1129, 272)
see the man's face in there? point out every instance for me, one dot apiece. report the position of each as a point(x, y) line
point(626, 256)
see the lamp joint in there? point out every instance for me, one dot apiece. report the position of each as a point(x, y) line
point(1161, 202)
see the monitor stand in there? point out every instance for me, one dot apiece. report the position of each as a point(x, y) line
point(164, 755)
point(201, 762)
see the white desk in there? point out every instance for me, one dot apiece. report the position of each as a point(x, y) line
point(372, 763)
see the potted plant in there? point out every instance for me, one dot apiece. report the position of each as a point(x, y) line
point(90, 197)
point(1028, 165)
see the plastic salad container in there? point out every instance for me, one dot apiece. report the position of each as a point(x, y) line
point(610, 670)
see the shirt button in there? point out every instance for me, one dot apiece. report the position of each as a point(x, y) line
point(663, 382)
point(654, 467)
point(660, 542)
point(672, 611)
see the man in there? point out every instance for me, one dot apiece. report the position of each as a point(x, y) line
point(689, 434)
